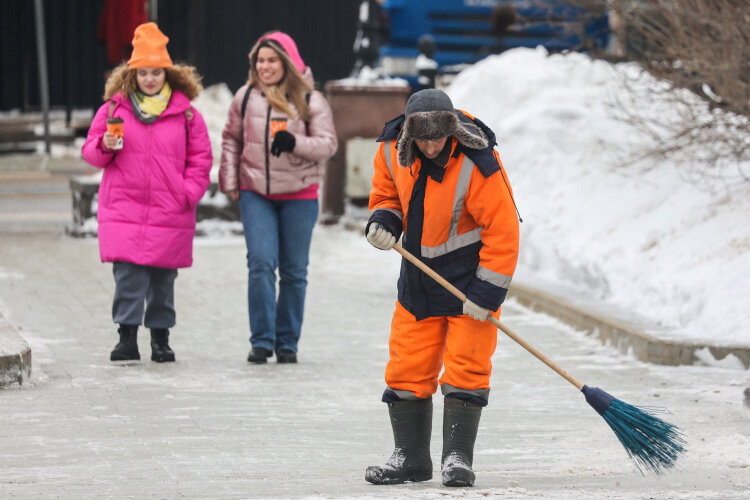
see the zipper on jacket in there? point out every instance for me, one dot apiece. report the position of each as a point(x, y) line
point(268, 159)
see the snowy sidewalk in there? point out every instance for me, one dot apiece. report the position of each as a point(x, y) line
point(213, 426)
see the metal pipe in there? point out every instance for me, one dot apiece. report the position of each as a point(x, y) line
point(41, 50)
point(153, 10)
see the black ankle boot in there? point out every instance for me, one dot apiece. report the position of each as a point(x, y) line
point(127, 348)
point(460, 424)
point(412, 426)
point(259, 355)
point(160, 350)
point(286, 356)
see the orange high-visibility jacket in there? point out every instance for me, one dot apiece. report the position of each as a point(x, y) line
point(470, 230)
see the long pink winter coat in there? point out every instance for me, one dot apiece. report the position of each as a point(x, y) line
point(246, 161)
point(150, 187)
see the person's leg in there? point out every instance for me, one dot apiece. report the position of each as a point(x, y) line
point(415, 359)
point(260, 222)
point(469, 347)
point(131, 283)
point(466, 386)
point(416, 355)
point(296, 222)
point(160, 312)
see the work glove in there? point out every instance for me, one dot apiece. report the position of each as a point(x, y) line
point(479, 313)
point(380, 237)
point(283, 141)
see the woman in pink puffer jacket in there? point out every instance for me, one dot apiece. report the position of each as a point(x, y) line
point(150, 187)
point(275, 144)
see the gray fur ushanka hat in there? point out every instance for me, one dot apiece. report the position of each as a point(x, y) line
point(430, 116)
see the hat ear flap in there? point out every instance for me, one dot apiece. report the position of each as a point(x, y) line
point(470, 136)
point(406, 150)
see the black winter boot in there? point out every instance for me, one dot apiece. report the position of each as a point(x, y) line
point(259, 355)
point(460, 424)
point(160, 350)
point(286, 356)
point(127, 348)
point(412, 425)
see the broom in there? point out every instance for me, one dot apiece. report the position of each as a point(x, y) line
point(651, 443)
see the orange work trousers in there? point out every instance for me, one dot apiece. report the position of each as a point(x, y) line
point(419, 349)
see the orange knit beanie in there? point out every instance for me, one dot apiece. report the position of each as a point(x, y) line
point(149, 48)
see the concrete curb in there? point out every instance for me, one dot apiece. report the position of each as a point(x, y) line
point(626, 333)
point(15, 355)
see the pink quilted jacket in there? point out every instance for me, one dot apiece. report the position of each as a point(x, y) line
point(246, 161)
point(150, 187)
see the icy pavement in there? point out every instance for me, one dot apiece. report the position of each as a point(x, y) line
point(213, 426)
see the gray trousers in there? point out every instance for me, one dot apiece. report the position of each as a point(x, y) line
point(140, 289)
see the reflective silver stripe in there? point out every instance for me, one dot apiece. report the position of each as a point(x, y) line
point(462, 187)
point(496, 279)
point(387, 155)
point(452, 244)
point(406, 395)
point(482, 393)
point(456, 241)
point(397, 213)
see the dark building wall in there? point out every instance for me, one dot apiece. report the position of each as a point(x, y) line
point(213, 35)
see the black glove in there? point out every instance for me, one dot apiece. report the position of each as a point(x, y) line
point(282, 141)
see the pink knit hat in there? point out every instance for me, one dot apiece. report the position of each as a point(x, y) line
point(289, 46)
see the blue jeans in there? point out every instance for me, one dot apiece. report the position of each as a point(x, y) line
point(278, 235)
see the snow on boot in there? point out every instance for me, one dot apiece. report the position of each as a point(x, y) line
point(127, 348)
point(160, 350)
point(412, 425)
point(460, 424)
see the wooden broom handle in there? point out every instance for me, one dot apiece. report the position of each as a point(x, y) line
point(507, 331)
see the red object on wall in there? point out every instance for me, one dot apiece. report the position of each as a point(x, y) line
point(116, 26)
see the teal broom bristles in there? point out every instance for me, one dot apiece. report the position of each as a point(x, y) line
point(651, 443)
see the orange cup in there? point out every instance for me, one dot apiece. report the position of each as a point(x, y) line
point(115, 127)
point(277, 124)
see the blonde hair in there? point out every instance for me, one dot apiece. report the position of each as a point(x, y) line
point(292, 87)
point(180, 77)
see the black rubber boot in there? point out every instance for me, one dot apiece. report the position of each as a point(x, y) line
point(160, 350)
point(412, 425)
point(127, 348)
point(460, 424)
point(259, 355)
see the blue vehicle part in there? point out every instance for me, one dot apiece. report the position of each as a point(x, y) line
point(463, 32)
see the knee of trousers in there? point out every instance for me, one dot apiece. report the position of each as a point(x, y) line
point(416, 353)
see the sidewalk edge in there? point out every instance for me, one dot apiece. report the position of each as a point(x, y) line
point(15, 356)
point(621, 334)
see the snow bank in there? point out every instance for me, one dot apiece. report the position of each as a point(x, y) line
point(672, 250)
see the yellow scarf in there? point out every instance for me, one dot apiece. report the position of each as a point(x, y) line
point(152, 106)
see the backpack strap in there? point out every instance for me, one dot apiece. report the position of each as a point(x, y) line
point(244, 102)
point(307, 122)
point(112, 105)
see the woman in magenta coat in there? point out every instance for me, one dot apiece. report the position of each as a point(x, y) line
point(152, 182)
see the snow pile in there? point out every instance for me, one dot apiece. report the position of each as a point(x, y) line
point(652, 242)
point(213, 104)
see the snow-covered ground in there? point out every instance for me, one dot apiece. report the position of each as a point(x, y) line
point(660, 242)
